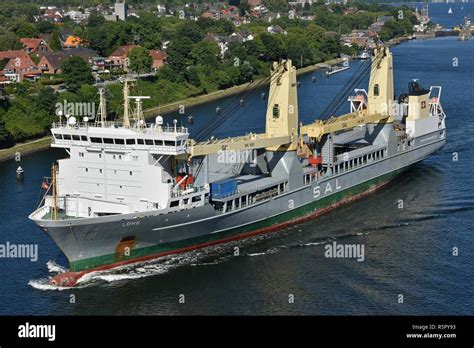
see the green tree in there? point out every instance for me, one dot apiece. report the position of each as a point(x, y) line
point(76, 72)
point(205, 53)
point(55, 42)
point(178, 56)
point(140, 60)
point(8, 41)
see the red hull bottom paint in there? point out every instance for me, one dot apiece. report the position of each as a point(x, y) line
point(69, 279)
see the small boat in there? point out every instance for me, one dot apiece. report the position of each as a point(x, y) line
point(450, 11)
point(364, 55)
point(242, 102)
point(336, 69)
point(218, 110)
point(190, 119)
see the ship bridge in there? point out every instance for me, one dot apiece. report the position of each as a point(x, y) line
point(152, 137)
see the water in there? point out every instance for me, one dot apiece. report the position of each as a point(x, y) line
point(438, 12)
point(407, 251)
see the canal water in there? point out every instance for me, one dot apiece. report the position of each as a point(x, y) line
point(409, 266)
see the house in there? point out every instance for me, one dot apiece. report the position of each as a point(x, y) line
point(35, 46)
point(51, 15)
point(51, 63)
point(78, 16)
point(159, 59)
point(119, 56)
point(72, 42)
point(19, 66)
point(276, 29)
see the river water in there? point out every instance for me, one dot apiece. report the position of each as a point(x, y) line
point(408, 252)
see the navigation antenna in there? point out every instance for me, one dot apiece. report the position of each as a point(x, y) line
point(138, 114)
point(102, 107)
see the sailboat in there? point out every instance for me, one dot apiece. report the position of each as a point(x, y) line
point(450, 11)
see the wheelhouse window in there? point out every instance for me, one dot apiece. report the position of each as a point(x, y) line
point(67, 137)
point(148, 141)
point(108, 141)
point(83, 138)
point(76, 137)
point(140, 141)
point(119, 141)
point(170, 143)
point(130, 141)
point(96, 140)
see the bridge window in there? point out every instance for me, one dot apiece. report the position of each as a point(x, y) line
point(140, 141)
point(76, 137)
point(119, 141)
point(130, 141)
point(67, 137)
point(96, 140)
point(148, 141)
point(170, 143)
point(108, 141)
point(159, 142)
point(83, 138)
point(376, 90)
point(58, 136)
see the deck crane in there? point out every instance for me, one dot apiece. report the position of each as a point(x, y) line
point(281, 120)
point(377, 107)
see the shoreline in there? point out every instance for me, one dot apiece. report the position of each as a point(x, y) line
point(26, 148)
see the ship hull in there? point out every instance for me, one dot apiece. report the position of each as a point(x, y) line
point(98, 243)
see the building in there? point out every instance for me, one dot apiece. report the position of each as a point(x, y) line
point(18, 66)
point(72, 42)
point(118, 58)
point(51, 63)
point(121, 10)
point(78, 16)
point(159, 59)
point(35, 46)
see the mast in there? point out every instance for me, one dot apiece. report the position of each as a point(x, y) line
point(102, 107)
point(126, 104)
point(55, 205)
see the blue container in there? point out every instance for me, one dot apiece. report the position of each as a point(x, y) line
point(223, 188)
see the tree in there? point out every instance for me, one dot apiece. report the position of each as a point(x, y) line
point(76, 72)
point(274, 49)
point(8, 41)
point(178, 56)
point(244, 7)
point(55, 42)
point(140, 60)
point(205, 53)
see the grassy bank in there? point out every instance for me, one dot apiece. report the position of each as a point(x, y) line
point(25, 148)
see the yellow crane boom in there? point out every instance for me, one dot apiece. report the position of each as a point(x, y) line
point(336, 124)
point(247, 142)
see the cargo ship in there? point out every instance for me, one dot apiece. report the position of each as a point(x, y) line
point(131, 191)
